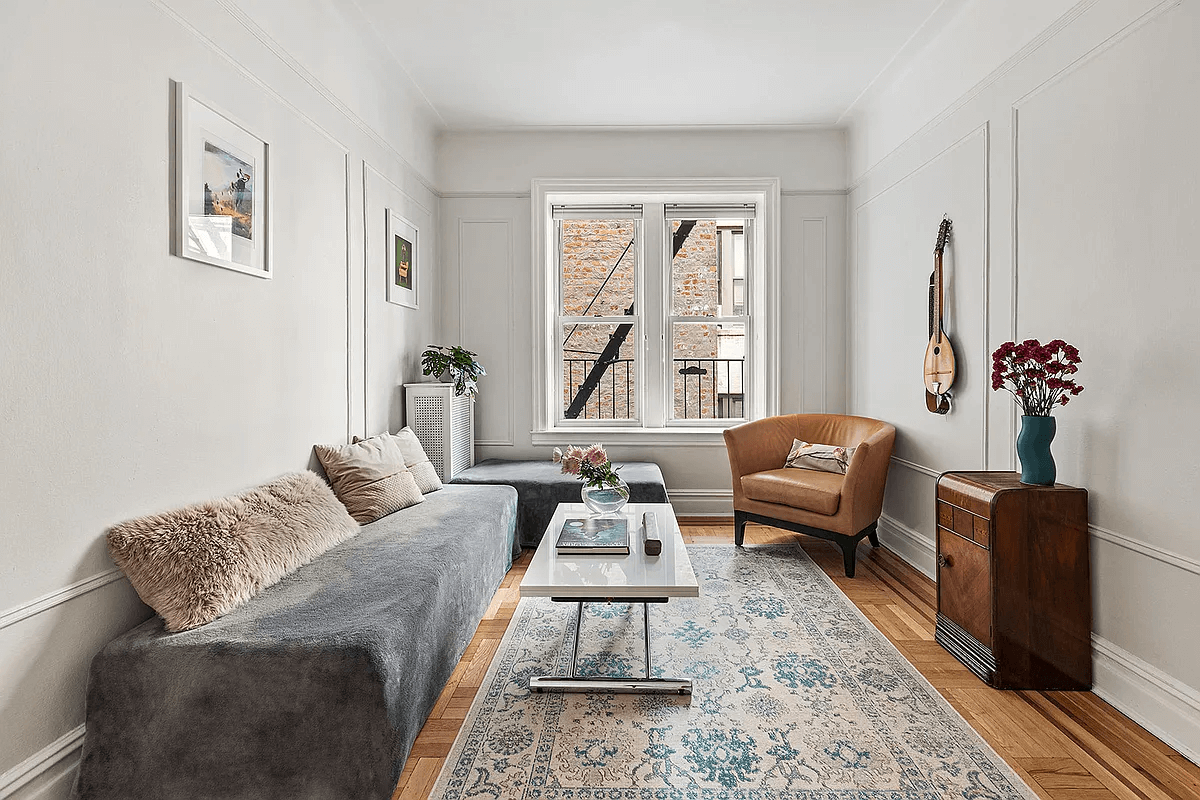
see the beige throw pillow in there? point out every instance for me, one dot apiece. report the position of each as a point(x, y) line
point(369, 477)
point(414, 456)
point(823, 457)
point(200, 562)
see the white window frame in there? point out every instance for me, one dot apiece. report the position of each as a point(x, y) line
point(654, 425)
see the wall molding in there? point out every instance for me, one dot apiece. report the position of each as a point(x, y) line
point(1168, 708)
point(524, 195)
point(1163, 705)
point(921, 468)
point(1183, 562)
point(801, 405)
point(702, 502)
point(249, 74)
point(911, 545)
point(1011, 63)
point(259, 33)
point(962, 100)
point(419, 203)
point(59, 596)
point(721, 493)
point(484, 195)
point(1099, 48)
point(510, 441)
point(813, 192)
point(17, 777)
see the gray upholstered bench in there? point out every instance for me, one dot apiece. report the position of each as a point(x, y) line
point(541, 486)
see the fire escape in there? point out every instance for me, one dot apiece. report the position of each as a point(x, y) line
point(612, 350)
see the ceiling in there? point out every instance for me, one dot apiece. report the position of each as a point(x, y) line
point(528, 63)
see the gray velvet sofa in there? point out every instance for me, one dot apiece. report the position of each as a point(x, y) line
point(541, 486)
point(318, 686)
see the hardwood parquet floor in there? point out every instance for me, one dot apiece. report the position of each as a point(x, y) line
point(1066, 745)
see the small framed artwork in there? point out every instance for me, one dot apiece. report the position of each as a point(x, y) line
point(403, 265)
point(222, 211)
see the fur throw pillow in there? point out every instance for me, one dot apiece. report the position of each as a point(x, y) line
point(200, 562)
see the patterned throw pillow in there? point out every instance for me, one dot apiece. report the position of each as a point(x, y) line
point(823, 457)
point(369, 477)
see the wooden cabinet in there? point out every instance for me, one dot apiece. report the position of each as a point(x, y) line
point(1014, 580)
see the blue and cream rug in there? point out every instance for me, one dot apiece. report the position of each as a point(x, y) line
point(796, 695)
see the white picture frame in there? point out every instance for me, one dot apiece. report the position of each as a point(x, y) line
point(403, 277)
point(222, 189)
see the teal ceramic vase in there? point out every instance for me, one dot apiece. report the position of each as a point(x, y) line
point(1033, 448)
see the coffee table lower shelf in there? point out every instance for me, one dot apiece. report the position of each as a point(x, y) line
point(615, 684)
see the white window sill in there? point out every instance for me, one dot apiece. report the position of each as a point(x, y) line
point(658, 437)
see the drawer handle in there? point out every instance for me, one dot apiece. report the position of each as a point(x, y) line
point(945, 560)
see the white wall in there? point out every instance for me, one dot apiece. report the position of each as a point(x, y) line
point(486, 237)
point(1069, 170)
point(134, 381)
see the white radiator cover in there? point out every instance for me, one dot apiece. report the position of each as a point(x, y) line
point(444, 424)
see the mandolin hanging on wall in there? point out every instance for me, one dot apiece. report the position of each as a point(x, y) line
point(939, 354)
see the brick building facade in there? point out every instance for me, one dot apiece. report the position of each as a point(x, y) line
point(701, 350)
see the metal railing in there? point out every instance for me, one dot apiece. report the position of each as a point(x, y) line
point(716, 391)
point(708, 388)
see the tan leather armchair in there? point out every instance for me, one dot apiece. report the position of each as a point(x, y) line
point(840, 508)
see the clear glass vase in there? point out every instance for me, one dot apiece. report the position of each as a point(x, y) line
point(605, 499)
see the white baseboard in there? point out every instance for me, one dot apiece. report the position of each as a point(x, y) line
point(1153, 699)
point(34, 767)
point(1159, 703)
point(701, 502)
point(911, 545)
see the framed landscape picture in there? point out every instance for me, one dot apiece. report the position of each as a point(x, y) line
point(222, 199)
point(403, 265)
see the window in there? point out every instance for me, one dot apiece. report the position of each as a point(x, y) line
point(656, 314)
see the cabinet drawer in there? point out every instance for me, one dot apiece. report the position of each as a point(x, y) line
point(945, 515)
point(983, 532)
point(965, 585)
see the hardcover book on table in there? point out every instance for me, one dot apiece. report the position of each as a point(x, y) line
point(605, 535)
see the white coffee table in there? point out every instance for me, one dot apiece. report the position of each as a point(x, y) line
point(632, 578)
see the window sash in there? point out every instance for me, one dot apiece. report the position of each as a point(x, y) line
point(636, 371)
point(673, 325)
point(653, 331)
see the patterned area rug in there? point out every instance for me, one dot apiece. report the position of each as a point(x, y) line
point(796, 695)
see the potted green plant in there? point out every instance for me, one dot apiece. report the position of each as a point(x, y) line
point(456, 362)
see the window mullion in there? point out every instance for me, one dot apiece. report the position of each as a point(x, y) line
point(654, 299)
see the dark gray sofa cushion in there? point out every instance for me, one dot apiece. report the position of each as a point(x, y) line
point(542, 486)
point(318, 686)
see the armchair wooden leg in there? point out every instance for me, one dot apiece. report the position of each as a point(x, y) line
point(873, 534)
point(849, 546)
point(739, 528)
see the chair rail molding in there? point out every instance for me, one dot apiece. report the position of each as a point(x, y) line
point(1185, 563)
point(59, 596)
point(921, 468)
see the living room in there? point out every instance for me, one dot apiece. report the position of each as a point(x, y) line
point(1054, 135)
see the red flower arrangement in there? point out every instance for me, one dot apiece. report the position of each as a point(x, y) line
point(1038, 375)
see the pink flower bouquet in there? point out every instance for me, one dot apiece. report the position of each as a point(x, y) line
point(590, 465)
